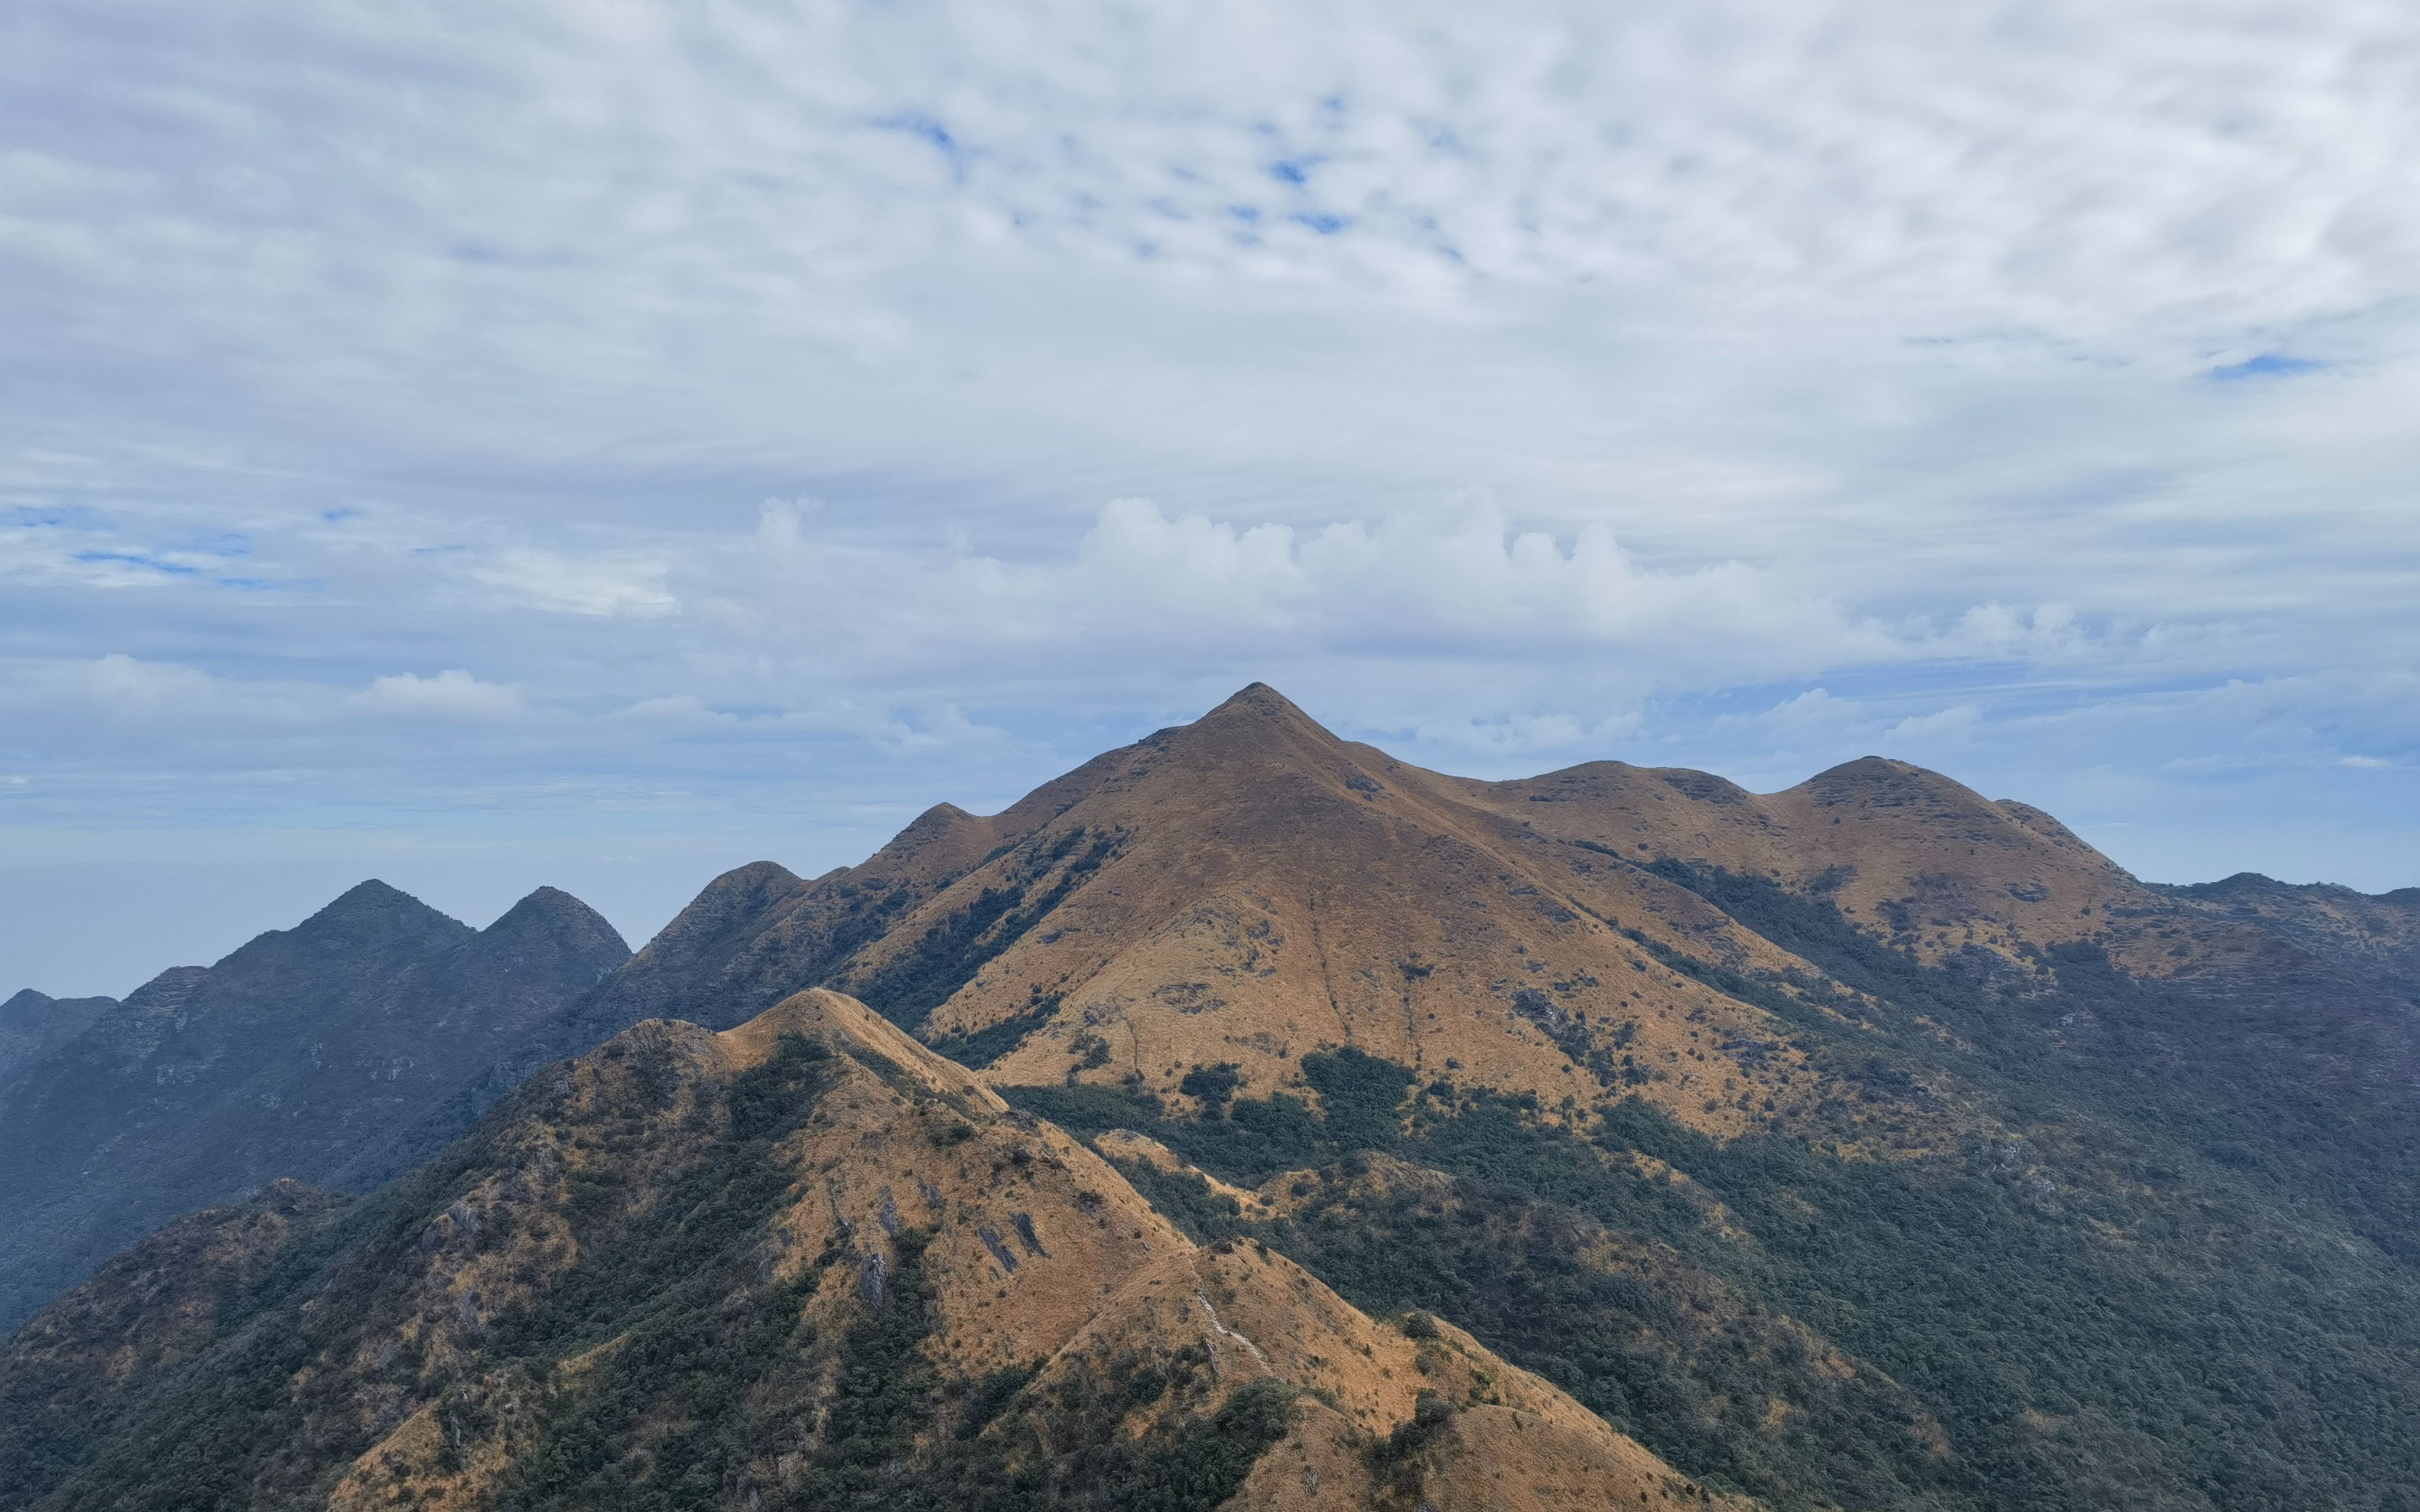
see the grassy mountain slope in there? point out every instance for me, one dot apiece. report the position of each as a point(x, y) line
point(804, 1262)
point(1237, 892)
point(2170, 1262)
point(1224, 897)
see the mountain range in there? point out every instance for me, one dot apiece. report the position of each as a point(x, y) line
point(1247, 1116)
point(339, 1053)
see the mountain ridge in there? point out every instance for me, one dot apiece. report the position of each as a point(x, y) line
point(320, 1052)
point(946, 928)
point(1048, 1338)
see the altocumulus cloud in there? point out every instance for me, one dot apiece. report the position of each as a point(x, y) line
point(393, 396)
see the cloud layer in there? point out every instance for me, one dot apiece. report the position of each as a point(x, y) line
point(590, 444)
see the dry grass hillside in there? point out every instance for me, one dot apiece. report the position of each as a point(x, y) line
point(922, 1284)
point(1223, 897)
point(1909, 850)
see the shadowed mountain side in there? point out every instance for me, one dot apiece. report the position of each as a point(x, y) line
point(2381, 931)
point(33, 1024)
point(320, 1053)
point(759, 933)
point(802, 1263)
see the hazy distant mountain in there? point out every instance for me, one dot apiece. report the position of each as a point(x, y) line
point(337, 1052)
point(802, 1263)
point(1869, 1143)
point(32, 1026)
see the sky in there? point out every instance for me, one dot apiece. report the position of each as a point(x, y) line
point(486, 445)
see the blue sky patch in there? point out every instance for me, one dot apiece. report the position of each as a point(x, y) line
point(926, 129)
point(2268, 364)
point(135, 559)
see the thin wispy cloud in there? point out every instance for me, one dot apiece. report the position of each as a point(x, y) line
point(695, 432)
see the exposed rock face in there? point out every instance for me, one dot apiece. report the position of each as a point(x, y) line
point(804, 1262)
point(338, 1052)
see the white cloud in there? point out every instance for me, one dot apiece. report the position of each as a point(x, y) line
point(1459, 579)
point(675, 710)
point(1940, 727)
point(577, 584)
point(452, 694)
point(119, 680)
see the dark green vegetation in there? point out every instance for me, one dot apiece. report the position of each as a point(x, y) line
point(759, 933)
point(659, 1362)
point(338, 1052)
point(989, 1043)
point(2174, 1271)
point(907, 988)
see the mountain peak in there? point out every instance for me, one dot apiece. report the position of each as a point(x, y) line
point(934, 826)
point(373, 893)
point(553, 912)
point(1880, 783)
point(374, 904)
point(1257, 698)
point(33, 1024)
point(1252, 722)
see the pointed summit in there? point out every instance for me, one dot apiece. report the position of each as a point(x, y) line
point(554, 918)
point(1258, 698)
point(372, 896)
point(24, 1005)
point(1258, 723)
point(372, 910)
point(1255, 703)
